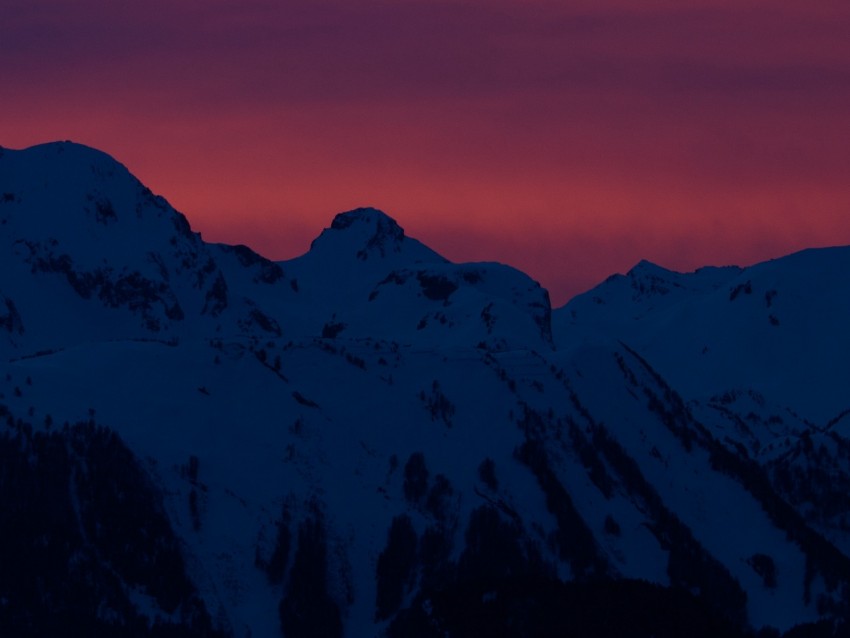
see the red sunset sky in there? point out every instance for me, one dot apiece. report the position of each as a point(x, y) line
point(569, 139)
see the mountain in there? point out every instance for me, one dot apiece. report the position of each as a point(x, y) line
point(83, 237)
point(372, 440)
point(361, 276)
point(779, 321)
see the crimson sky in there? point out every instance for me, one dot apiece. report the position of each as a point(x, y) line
point(568, 138)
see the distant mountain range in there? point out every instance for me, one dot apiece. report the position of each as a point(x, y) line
point(372, 440)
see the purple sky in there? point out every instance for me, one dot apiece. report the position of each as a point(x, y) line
point(569, 139)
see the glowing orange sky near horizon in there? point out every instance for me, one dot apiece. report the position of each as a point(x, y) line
point(568, 139)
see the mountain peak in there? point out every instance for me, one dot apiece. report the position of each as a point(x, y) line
point(369, 234)
point(67, 152)
point(645, 267)
point(368, 217)
point(71, 194)
point(374, 231)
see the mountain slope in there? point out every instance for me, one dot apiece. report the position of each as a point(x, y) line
point(758, 353)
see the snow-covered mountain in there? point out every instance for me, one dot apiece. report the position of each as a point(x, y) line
point(372, 440)
point(777, 327)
